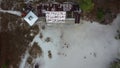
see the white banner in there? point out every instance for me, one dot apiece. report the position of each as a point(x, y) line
point(55, 16)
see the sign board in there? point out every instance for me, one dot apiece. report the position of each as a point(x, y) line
point(55, 16)
point(30, 18)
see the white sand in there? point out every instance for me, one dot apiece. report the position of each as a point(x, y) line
point(90, 45)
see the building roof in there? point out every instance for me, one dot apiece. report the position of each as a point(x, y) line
point(30, 18)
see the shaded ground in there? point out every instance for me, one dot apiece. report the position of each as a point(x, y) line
point(107, 8)
point(14, 39)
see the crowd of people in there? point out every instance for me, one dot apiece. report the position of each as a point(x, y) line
point(55, 6)
point(41, 8)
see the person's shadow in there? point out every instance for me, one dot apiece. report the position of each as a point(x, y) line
point(36, 66)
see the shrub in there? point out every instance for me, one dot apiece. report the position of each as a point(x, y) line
point(86, 5)
point(100, 14)
point(115, 64)
point(4, 66)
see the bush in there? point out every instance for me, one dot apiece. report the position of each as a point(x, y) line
point(100, 14)
point(86, 5)
point(115, 64)
point(5, 66)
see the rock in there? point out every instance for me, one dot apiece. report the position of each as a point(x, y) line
point(94, 54)
point(85, 57)
point(41, 35)
point(43, 27)
point(36, 66)
point(48, 39)
point(29, 60)
point(35, 50)
point(49, 54)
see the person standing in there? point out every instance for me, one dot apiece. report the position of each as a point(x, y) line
point(77, 14)
point(39, 10)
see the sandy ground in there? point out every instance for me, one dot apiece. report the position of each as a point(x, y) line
point(85, 45)
point(82, 46)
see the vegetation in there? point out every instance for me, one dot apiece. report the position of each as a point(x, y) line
point(100, 14)
point(115, 64)
point(86, 5)
point(5, 66)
